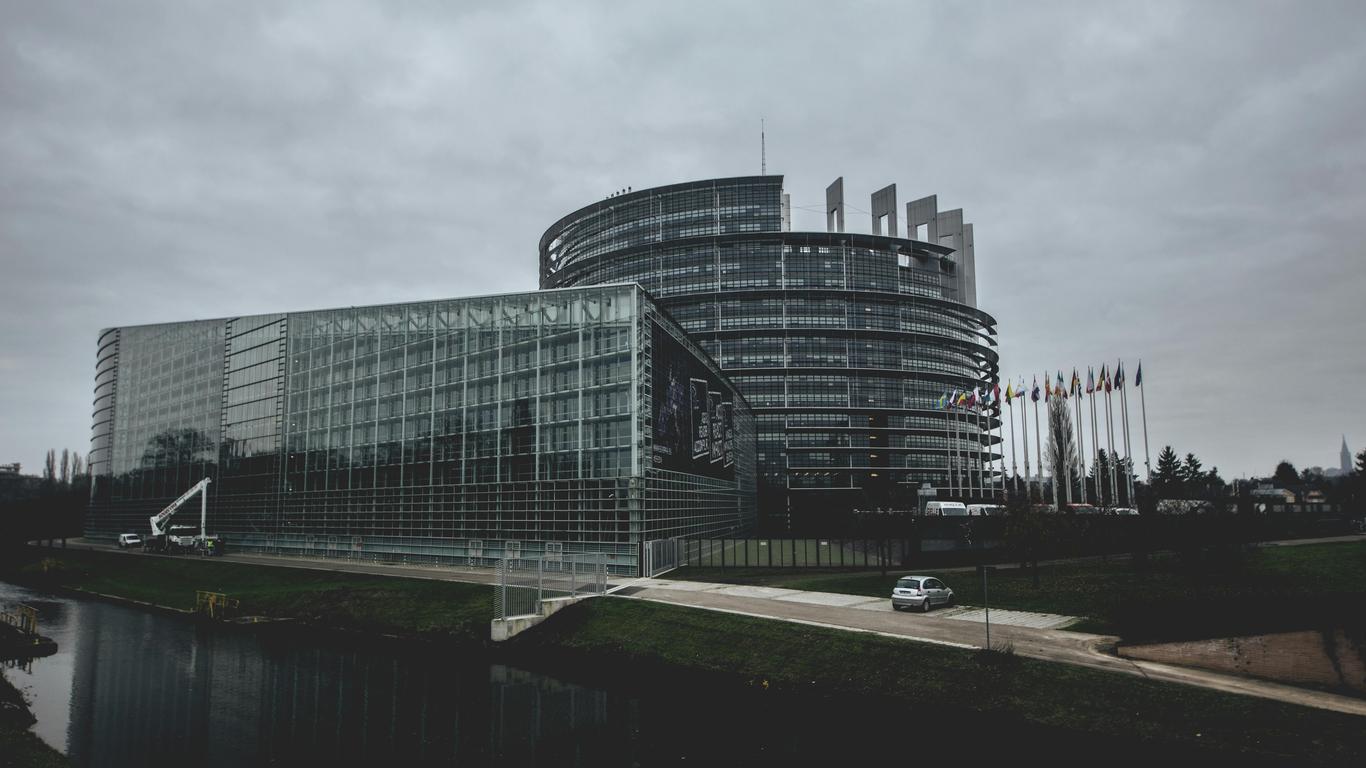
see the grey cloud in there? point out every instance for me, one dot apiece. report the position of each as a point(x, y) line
point(1177, 181)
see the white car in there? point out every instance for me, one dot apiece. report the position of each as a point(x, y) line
point(921, 592)
point(127, 540)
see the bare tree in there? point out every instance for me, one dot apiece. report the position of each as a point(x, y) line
point(1062, 448)
point(50, 466)
point(66, 467)
point(77, 465)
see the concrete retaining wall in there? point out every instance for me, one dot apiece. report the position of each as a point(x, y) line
point(1321, 658)
point(503, 629)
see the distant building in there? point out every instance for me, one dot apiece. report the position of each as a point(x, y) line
point(1270, 492)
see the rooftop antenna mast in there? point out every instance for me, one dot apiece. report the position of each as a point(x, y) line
point(763, 150)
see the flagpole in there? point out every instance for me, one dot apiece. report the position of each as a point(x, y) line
point(948, 451)
point(1095, 443)
point(1142, 403)
point(1081, 445)
point(965, 476)
point(1013, 466)
point(1024, 443)
point(1110, 441)
point(1038, 448)
point(1000, 431)
point(967, 457)
point(974, 483)
point(957, 466)
point(1062, 473)
point(1128, 453)
point(977, 449)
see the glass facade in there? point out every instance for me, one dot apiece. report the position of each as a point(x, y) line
point(843, 343)
point(439, 432)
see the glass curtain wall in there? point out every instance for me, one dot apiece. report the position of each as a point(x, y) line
point(445, 432)
point(843, 343)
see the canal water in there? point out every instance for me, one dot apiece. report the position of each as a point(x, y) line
point(130, 687)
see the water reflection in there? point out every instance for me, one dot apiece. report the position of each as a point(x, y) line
point(129, 687)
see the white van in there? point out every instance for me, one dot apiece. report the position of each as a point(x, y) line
point(946, 508)
point(985, 510)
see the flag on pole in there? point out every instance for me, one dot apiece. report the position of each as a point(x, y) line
point(1076, 382)
point(1034, 394)
point(1061, 390)
point(1107, 378)
point(996, 393)
point(1138, 375)
point(1010, 393)
point(1090, 380)
point(1119, 375)
point(942, 399)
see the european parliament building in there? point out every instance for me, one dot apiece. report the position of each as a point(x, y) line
point(690, 363)
point(842, 343)
point(581, 420)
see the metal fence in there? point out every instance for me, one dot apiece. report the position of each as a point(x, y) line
point(794, 553)
point(661, 556)
point(524, 584)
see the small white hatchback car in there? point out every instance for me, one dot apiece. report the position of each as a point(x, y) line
point(127, 540)
point(922, 592)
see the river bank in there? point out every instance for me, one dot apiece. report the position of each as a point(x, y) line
point(705, 656)
point(19, 746)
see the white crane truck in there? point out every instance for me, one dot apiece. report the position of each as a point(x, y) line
point(179, 538)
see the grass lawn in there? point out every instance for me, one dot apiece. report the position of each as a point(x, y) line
point(369, 603)
point(1273, 588)
point(777, 656)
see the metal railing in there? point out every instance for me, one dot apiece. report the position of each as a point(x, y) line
point(795, 553)
point(23, 618)
point(524, 584)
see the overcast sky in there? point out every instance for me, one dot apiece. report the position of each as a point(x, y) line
point(1184, 183)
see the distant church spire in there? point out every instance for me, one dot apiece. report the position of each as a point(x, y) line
point(1346, 457)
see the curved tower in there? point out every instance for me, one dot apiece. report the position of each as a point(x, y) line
point(843, 343)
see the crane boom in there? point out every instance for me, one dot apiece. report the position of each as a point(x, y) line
point(160, 518)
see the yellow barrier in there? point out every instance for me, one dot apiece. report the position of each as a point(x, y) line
point(24, 618)
point(215, 605)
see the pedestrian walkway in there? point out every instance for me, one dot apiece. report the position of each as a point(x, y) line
point(1033, 635)
point(860, 602)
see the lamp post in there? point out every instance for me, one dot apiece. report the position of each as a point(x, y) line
point(986, 604)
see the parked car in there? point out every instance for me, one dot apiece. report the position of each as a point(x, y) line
point(127, 540)
point(922, 592)
point(946, 508)
point(1123, 511)
point(985, 510)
